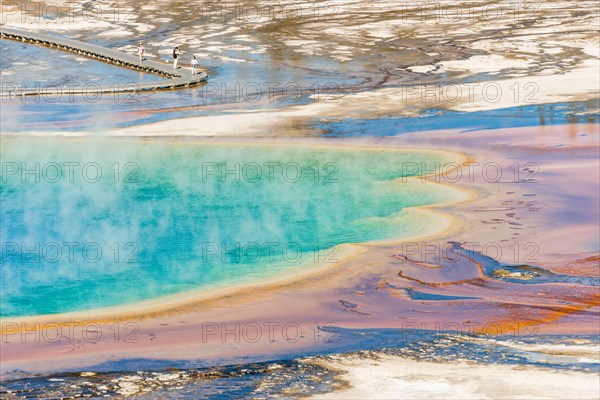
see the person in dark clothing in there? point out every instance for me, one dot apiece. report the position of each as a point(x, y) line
point(175, 56)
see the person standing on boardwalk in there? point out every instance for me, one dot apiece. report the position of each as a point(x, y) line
point(194, 65)
point(141, 50)
point(175, 56)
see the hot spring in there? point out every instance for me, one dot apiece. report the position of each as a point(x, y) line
point(93, 223)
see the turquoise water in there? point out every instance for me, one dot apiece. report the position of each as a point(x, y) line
point(90, 223)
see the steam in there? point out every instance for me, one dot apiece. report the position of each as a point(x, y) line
point(166, 222)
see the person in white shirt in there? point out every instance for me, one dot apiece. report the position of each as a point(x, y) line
point(141, 51)
point(194, 65)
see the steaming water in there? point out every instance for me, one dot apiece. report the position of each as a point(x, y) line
point(88, 225)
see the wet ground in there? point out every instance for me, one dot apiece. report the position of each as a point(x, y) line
point(308, 375)
point(270, 55)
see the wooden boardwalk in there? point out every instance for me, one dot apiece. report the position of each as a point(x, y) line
point(172, 78)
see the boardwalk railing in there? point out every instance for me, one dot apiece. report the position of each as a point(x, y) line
point(173, 79)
